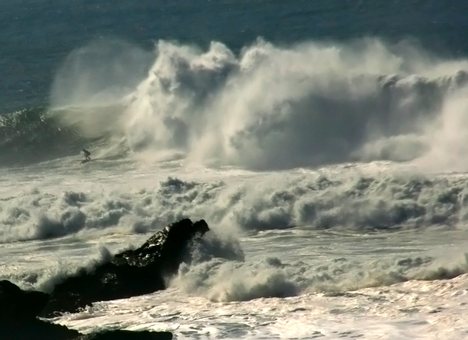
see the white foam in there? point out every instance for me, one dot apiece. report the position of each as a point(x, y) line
point(130, 199)
point(264, 277)
point(431, 310)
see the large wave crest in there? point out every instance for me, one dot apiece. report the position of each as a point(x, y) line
point(271, 107)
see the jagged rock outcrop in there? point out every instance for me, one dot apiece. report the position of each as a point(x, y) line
point(130, 273)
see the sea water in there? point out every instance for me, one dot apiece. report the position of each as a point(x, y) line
point(324, 143)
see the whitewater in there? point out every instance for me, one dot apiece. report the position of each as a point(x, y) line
point(332, 174)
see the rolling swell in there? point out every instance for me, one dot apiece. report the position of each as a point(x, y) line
point(31, 135)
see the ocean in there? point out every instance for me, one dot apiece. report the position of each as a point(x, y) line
point(324, 143)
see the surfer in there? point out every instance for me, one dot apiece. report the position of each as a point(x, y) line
point(87, 155)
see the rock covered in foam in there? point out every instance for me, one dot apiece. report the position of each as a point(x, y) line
point(130, 273)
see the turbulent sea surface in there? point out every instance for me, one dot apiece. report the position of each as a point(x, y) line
point(324, 142)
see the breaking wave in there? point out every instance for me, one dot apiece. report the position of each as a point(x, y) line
point(324, 199)
point(272, 107)
point(268, 276)
point(266, 107)
point(219, 280)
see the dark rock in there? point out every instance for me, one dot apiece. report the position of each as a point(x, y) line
point(128, 335)
point(17, 304)
point(130, 273)
point(36, 329)
point(18, 311)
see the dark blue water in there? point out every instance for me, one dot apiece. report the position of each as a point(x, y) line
point(36, 35)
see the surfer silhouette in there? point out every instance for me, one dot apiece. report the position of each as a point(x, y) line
point(87, 155)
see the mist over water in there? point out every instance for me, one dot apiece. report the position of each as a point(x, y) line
point(93, 81)
point(270, 107)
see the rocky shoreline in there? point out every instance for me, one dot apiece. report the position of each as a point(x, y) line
point(129, 273)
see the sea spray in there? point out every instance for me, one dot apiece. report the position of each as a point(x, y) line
point(268, 107)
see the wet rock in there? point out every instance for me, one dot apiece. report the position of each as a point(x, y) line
point(128, 335)
point(130, 273)
point(18, 311)
point(17, 304)
point(36, 329)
